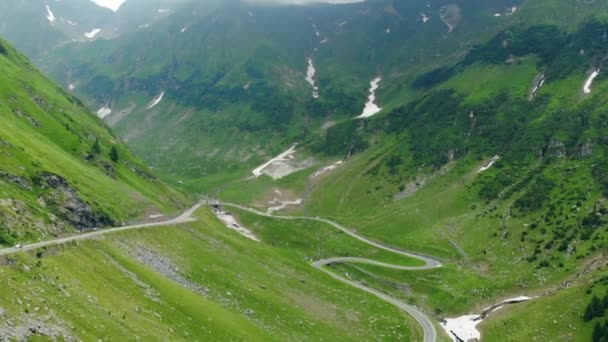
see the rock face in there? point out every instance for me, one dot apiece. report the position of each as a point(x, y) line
point(28, 326)
point(68, 205)
point(556, 148)
point(18, 180)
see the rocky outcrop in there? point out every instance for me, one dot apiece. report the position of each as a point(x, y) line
point(67, 204)
point(555, 148)
point(585, 149)
point(27, 327)
point(17, 180)
point(145, 174)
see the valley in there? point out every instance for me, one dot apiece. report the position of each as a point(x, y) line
point(375, 170)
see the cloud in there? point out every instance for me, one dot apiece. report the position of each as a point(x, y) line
point(301, 2)
point(114, 5)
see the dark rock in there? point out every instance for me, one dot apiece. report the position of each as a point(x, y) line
point(67, 204)
point(21, 114)
point(141, 172)
point(18, 180)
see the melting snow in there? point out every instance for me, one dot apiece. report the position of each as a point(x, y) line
point(250, 14)
point(342, 24)
point(316, 31)
point(104, 111)
point(231, 223)
point(69, 22)
point(388, 30)
point(156, 101)
point(310, 78)
point(325, 169)
point(282, 205)
point(71, 87)
point(144, 26)
point(489, 164)
point(540, 81)
point(281, 157)
point(49, 14)
point(587, 86)
point(184, 29)
point(92, 34)
point(371, 108)
point(464, 328)
point(424, 18)
point(324, 41)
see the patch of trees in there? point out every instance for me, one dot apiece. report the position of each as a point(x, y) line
point(559, 52)
point(3, 50)
point(536, 195)
point(597, 309)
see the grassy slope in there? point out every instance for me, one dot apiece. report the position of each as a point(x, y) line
point(254, 291)
point(46, 130)
point(360, 194)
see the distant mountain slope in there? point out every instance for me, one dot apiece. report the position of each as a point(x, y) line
point(232, 62)
point(62, 169)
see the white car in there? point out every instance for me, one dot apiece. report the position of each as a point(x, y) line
point(18, 246)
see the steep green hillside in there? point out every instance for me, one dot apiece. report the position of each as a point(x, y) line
point(237, 69)
point(425, 178)
point(198, 281)
point(62, 169)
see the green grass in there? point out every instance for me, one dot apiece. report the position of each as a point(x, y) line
point(254, 291)
point(555, 317)
point(44, 129)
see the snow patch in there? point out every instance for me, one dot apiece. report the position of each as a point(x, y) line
point(281, 157)
point(464, 328)
point(92, 34)
point(184, 29)
point(68, 21)
point(425, 18)
point(143, 26)
point(316, 31)
point(104, 111)
point(49, 15)
point(489, 164)
point(325, 169)
point(371, 108)
point(282, 205)
point(231, 223)
point(71, 87)
point(342, 24)
point(250, 14)
point(310, 78)
point(156, 101)
point(324, 41)
point(589, 82)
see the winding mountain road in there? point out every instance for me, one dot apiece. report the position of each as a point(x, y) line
point(185, 217)
point(430, 334)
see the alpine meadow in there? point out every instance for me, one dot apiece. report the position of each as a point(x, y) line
point(292, 170)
